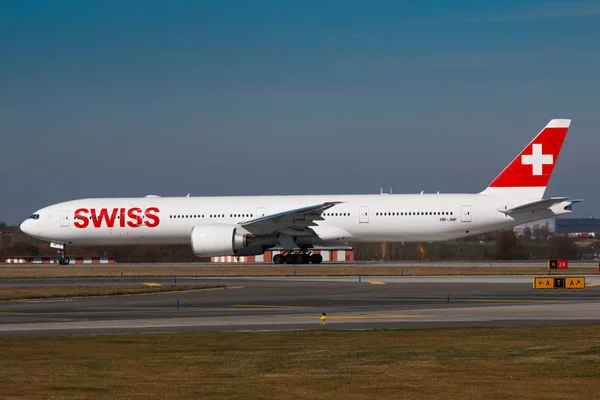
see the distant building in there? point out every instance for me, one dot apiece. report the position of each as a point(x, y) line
point(329, 254)
point(548, 223)
point(573, 227)
point(578, 227)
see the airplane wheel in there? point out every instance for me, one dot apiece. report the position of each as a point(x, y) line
point(316, 258)
point(66, 261)
point(277, 259)
point(289, 259)
point(300, 258)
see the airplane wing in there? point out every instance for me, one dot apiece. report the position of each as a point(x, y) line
point(293, 222)
point(538, 205)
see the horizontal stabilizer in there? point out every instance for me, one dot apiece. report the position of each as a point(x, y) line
point(538, 205)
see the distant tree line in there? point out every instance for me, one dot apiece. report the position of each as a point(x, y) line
point(501, 245)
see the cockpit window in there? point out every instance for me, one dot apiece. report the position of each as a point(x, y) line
point(34, 216)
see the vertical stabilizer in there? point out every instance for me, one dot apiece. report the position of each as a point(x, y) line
point(528, 174)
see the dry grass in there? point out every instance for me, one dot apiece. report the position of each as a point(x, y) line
point(273, 270)
point(43, 292)
point(551, 362)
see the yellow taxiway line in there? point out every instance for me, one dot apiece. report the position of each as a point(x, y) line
point(365, 316)
point(265, 306)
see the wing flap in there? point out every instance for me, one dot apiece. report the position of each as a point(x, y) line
point(297, 220)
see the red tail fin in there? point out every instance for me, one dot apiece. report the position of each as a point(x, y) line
point(528, 174)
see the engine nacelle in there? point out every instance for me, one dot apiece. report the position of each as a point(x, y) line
point(218, 240)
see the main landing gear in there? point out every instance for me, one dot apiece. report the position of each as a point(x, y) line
point(301, 257)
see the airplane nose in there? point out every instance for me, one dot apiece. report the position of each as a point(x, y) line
point(25, 227)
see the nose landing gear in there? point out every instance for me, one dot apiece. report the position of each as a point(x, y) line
point(63, 259)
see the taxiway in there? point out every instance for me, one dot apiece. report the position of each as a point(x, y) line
point(279, 303)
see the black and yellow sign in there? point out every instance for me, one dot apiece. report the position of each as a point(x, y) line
point(543, 283)
point(560, 282)
point(575, 283)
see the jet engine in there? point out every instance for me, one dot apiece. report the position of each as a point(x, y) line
point(222, 240)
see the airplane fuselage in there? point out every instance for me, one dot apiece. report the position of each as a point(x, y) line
point(359, 218)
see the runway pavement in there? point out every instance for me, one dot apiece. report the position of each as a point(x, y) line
point(287, 303)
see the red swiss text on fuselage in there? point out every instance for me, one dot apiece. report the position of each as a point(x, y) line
point(117, 217)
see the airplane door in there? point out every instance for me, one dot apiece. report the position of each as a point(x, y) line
point(466, 214)
point(261, 212)
point(64, 217)
point(363, 214)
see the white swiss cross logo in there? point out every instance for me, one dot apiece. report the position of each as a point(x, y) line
point(537, 160)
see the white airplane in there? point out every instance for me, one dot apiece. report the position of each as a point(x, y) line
point(238, 226)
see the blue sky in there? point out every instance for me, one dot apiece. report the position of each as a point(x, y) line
point(128, 98)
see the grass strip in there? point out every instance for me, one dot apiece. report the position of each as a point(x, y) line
point(545, 362)
point(273, 270)
point(45, 292)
